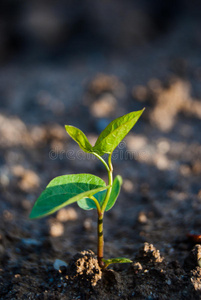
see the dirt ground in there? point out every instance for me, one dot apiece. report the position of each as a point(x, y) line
point(156, 221)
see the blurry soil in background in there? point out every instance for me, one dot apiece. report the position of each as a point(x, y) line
point(85, 65)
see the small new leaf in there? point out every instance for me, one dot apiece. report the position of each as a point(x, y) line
point(65, 190)
point(115, 132)
point(87, 204)
point(80, 138)
point(117, 260)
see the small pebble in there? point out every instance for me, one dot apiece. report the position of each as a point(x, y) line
point(4, 180)
point(59, 263)
point(29, 181)
point(68, 214)
point(56, 229)
point(128, 185)
point(87, 224)
point(142, 218)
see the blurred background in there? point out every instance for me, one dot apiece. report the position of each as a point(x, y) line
point(85, 63)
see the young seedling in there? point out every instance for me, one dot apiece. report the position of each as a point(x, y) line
point(89, 191)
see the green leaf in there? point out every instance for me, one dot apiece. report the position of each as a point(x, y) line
point(100, 196)
point(65, 190)
point(117, 260)
point(114, 133)
point(86, 204)
point(78, 136)
point(116, 187)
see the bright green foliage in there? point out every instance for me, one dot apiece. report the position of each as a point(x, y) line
point(117, 260)
point(89, 191)
point(80, 138)
point(65, 190)
point(114, 133)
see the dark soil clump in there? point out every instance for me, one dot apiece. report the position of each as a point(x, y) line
point(84, 269)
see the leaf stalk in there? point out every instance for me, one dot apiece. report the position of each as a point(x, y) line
point(110, 182)
point(97, 205)
point(102, 160)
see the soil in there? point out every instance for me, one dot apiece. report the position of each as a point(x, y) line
point(156, 221)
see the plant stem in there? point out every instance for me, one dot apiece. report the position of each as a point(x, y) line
point(100, 249)
point(100, 233)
